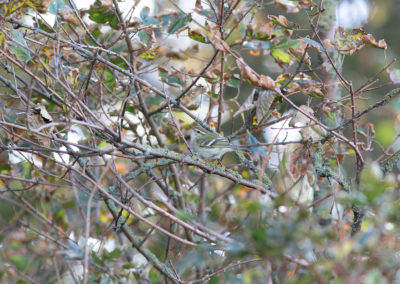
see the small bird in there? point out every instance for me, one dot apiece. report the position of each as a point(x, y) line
point(262, 103)
point(210, 145)
point(309, 130)
point(38, 116)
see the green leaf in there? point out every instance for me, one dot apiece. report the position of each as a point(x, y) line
point(95, 34)
point(144, 14)
point(313, 43)
point(147, 20)
point(114, 22)
point(198, 36)
point(129, 265)
point(280, 55)
point(213, 95)
point(178, 21)
point(373, 184)
point(385, 132)
point(130, 109)
point(281, 52)
point(286, 44)
point(5, 167)
point(233, 82)
point(154, 100)
point(109, 79)
point(111, 256)
point(116, 253)
point(119, 62)
point(96, 259)
point(44, 26)
point(146, 36)
point(101, 17)
point(18, 46)
point(165, 19)
point(18, 261)
point(56, 6)
point(60, 217)
point(258, 35)
point(184, 216)
point(25, 169)
point(172, 79)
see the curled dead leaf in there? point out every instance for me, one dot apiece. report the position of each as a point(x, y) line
point(266, 82)
point(369, 39)
point(247, 73)
point(283, 22)
point(216, 39)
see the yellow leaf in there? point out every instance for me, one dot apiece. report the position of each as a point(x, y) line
point(1, 38)
point(105, 218)
point(12, 8)
point(150, 54)
point(125, 216)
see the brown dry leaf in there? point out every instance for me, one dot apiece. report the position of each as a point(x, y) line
point(48, 52)
point(371, 128)
point(262, 33)
point(42, 6)
point(288, 8)
point(121, 167)
point(299, 51)
point(349, 41)
point(313, 91)
point(4, 157)
point(302, 75)
point(69, 17)
point(255, 52)
point(67, 50)
point(219, 44)
point(172, 54)
point(293, 87)
point(306, 3)
point(266, 82)
point(134, 22)
point(198, 5)
point(250, 75)
point(213, 124)
point(369, 39)
point(267, 28)
point(329, 43)
point(276, 114)
point(247, 73)
point(216, 39)
point(382, 44)
point(282, 21)
point(291, 164)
